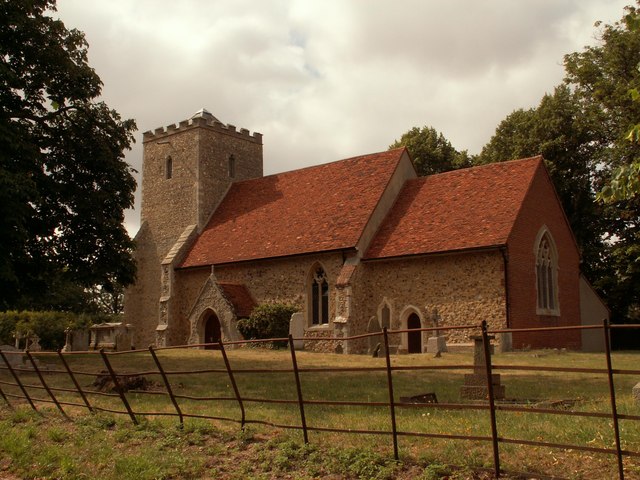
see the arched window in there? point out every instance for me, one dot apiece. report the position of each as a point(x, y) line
point(168, 167)
point(319, 297)
point(232, 166)
point(546, 275)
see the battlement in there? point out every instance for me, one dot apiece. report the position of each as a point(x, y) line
point(202, 122)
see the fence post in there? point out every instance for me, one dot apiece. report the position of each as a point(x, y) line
point(17, 379)
point(612, 393)
point(492, 404)
point(233, 382)
point(44, 384)
point(117, 386)
point(299, 389)
point(392, 404)
point(5, 399)
point(166, 384)
point(75, 382)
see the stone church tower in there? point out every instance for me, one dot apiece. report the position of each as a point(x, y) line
point(186, 172)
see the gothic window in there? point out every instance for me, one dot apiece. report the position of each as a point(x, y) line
point(319, 298)
point(232, 166)
point(168, 167)
point(547, 276)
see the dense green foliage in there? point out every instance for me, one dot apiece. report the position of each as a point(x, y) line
point(64, 183)
point(48, 326)
point(431, 152)
point(582, 129)
point(270, 320)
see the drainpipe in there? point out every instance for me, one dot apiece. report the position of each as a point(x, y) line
point(505, 259)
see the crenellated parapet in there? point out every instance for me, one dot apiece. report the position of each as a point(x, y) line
point(209, 122)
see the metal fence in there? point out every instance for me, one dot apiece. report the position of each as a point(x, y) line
point(16, 388)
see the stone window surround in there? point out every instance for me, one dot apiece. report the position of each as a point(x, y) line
point(552, 305)
point(312, 283)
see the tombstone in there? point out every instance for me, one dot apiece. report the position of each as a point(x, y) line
point(636, 393)
point(13, 358)
point(296, 329)
point(33, 343)
point(475, 384)
point(110, 336)
point(76, 340)
point(436, 343)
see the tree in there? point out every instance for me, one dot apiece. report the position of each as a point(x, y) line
point(64, 183)
point(431, 151)
point(559, 130)
point(602, 77)
point(581, 130)
point(624, 183)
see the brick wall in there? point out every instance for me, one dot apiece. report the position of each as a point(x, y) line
point(541, 207)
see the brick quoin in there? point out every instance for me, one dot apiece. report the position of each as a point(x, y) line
point(541, 207)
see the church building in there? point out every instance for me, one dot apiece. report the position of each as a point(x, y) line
point(357, 244)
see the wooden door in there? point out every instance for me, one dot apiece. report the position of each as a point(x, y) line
point(414, 338)
point(212, 330)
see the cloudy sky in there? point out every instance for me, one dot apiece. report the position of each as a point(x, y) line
point(330, 79)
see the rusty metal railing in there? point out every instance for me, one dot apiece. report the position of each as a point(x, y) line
point(21, 374)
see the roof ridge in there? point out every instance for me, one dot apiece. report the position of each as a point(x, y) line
point(320, 165)
point(474, 167)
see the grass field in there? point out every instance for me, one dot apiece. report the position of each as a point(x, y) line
point(110, 446)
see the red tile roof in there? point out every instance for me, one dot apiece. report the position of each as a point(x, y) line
point(238, 295)
point(463, 209)
point(314, 209)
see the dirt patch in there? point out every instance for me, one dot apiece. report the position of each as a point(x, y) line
point(104, 383)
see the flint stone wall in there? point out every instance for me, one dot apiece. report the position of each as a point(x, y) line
point(464, 288)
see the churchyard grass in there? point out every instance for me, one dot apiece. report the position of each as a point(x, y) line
point(61, 444)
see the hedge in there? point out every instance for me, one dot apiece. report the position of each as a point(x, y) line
point(270, 320)
point(49, 326)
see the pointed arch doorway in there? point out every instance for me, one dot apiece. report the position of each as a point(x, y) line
point(212, 332)
point(414, 339)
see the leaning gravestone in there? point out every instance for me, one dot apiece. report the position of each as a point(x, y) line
point(636, 393)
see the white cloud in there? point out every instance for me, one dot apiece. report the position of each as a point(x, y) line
point(327, 80)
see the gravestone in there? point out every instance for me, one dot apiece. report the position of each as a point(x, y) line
point(12, 356)
point(296, 329)
point(436, 343)
point(76, 340)
point(110, 336)
point(475, 384)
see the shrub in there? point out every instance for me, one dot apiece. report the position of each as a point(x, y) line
point(270, 320)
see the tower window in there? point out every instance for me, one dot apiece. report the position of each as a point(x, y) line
point(168, 167)
point(232, 166)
